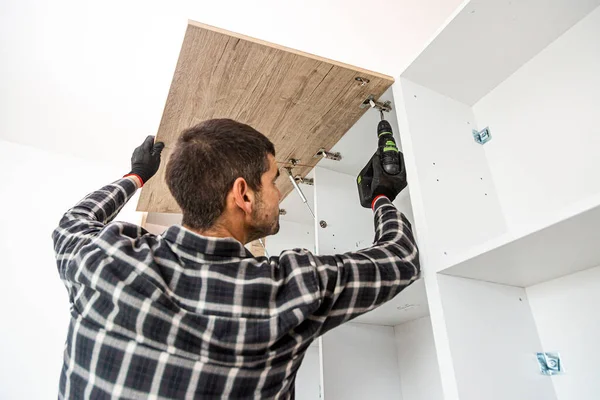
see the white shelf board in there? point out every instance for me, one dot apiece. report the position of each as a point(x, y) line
point(389, 314)
point(488, 40)
point(567, 244)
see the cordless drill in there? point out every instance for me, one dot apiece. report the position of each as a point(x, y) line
point(388, 152)
point(384, 173)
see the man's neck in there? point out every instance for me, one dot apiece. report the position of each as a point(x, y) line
point(220, 230)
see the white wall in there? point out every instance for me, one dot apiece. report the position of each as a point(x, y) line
point(451, 175)
point(36, 189)
point(350, 226)
point(292, 235)
point(546, 136)
point(493, 340)
point(417, 361)
point(360, 362)
point(566, 314)
point(308, 379)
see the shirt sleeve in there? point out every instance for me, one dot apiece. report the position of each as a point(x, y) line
point(84, 222)
point(354, 283)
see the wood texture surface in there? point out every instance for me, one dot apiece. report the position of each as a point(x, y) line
point(301, 102)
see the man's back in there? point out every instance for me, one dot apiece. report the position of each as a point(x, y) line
point(191, 313)
point(185, 316)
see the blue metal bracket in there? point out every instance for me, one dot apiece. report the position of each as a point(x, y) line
point(549, 363)
point(483, 136)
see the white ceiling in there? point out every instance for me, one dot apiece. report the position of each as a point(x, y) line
point(90, 79)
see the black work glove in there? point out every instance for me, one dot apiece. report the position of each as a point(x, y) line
point(373, 181)
point(146, 159)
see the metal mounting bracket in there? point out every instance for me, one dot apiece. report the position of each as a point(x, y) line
point(385, 106)
point(305, 181)
point(549, 363)
point(330, 156)
point(483, 136)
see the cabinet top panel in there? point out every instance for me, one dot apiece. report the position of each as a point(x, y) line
point(301, 102)
point(488, 40)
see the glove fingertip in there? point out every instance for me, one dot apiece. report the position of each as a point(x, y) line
point(148, 142)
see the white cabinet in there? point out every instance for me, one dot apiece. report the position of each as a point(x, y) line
point(508, 230)
point(367, 357)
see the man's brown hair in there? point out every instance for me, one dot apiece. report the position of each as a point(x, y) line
point(207, 160)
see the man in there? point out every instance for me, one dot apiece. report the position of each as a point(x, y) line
point(191, 313)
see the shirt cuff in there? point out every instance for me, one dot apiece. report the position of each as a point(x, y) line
point(375, 201)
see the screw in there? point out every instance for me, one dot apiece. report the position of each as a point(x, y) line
point(323, 224)
point(361, 80)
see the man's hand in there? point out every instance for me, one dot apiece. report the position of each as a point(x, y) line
point(146, 159)
point(385, 184)
point(373, 181)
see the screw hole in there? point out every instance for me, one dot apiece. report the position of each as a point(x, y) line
point(445, 253)
point(415, 96)
point(433, 163)
point(486, 194)
point(437, 180)
point(520, 299)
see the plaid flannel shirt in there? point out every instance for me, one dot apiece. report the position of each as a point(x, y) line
point(181, 315)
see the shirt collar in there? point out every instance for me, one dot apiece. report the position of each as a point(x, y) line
point(191, 241)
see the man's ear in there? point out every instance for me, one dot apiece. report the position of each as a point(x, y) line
point(243, 196)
